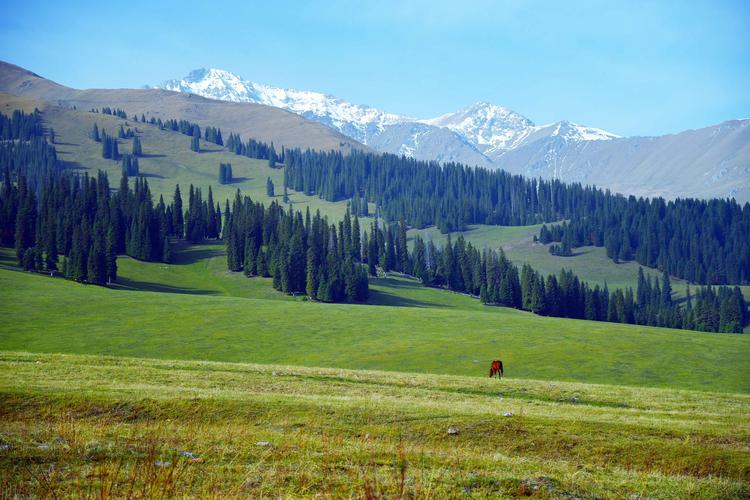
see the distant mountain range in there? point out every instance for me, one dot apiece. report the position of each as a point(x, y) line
point(709, 162)
point(703, 163)
point(475, 135)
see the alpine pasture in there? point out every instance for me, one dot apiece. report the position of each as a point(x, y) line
point(184, 379)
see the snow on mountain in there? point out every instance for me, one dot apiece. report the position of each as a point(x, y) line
point(356, 121)
point(488, 126)
point(574, 132)
point(475, 135)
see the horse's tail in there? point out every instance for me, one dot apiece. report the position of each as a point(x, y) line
point(501, 368)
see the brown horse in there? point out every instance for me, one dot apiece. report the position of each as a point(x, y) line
point(496, 369)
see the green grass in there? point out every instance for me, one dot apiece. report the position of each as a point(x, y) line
point(222, 316)
point(99, 426)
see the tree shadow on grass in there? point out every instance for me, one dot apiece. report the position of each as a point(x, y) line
point(131, 285)
point(190, 254)
point(381, 298)
point(70, 165)
point(385, 298)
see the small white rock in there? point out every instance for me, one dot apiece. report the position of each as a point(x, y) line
point(262, 443)
point(507, 414)
point(452, 431)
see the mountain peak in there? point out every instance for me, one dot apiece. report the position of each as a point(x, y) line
point(485, 124)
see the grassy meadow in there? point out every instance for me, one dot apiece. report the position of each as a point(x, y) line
point(167, 159)
point(195, 309)
point(102, 426)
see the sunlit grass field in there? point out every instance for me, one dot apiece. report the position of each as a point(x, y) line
point(101, 426)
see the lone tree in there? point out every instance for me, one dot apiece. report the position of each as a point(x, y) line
point(225, 173)
point(269, 187)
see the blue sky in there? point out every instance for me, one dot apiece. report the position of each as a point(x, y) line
point(629, 67)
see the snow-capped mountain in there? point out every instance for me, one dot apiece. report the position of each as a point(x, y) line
point(357, 121)
point(490, 127)
point(495, 129)
point(475, 135)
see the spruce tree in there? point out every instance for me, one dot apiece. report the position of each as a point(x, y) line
point(137, 148)
point(178, 222)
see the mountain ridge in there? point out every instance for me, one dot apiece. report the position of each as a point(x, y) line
point(475, 132)
point(712, 161)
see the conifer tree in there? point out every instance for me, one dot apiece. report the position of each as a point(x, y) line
point(177, 223)
point(137, 148)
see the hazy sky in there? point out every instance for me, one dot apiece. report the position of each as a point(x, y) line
point(629, 67)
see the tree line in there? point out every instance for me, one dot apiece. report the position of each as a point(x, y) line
point(702, 241)
point(256, 149)
point(21, 126)
point(495, 280)
point(89, 224)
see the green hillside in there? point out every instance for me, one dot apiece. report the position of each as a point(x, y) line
point(167, 159)
point(194, 309)
point(99, 426)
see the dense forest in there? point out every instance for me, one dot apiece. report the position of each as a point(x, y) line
point(303, 255)
point(491, 276)
point(704, 242)
point(701, 241)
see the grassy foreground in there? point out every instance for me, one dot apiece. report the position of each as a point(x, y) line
point(89, 425)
